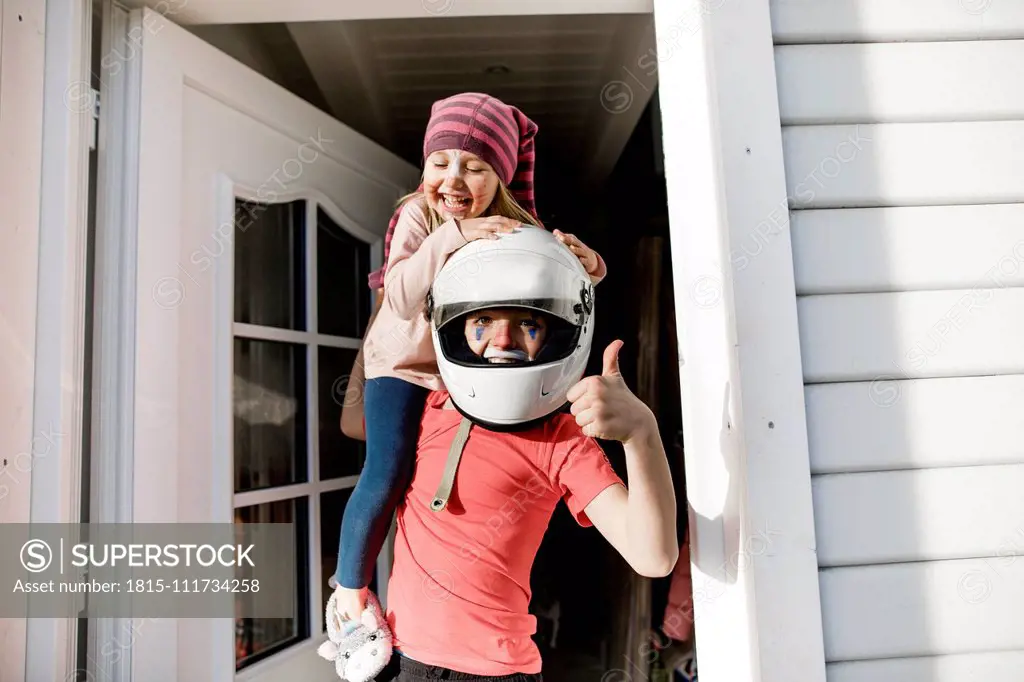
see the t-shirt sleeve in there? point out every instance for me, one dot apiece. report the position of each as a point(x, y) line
point(583, 471)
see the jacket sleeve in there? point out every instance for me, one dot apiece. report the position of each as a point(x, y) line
point(416, 258)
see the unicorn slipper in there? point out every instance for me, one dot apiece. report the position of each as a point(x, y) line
point(359, 648)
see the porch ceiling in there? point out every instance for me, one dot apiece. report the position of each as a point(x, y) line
point(579, 76)
point(381, 76)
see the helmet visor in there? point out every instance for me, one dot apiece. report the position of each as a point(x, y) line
point(560, 341)
point(569, 310)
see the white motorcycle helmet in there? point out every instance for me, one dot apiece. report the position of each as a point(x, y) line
point(530, 269)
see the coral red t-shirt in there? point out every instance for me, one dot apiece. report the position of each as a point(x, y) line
point(460, 586)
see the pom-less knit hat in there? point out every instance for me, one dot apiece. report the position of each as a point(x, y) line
point(498, 133)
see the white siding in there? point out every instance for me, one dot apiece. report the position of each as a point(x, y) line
point(853, 250)
point(923, 515)
point(999, 665)
point(889, 82)
point(893, 423)
point(905, 164)
point(879, 21)
point(924, 609)
point(917, 334)
point(903, 134)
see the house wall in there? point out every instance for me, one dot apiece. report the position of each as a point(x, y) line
point(903, 147)
point(21, 114)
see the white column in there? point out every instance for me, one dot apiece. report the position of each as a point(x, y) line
point(754, 566)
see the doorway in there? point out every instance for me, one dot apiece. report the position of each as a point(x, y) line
point(588, 81)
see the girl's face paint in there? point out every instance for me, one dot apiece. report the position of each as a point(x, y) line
point(458, 184)
point(533, 333)
point(479, 333)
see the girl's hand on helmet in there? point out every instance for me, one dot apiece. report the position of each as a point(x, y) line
point(486, 228)
point(588, 257)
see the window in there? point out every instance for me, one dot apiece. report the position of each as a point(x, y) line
point(301, 306)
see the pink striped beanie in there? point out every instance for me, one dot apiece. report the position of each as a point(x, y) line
point(498, 133)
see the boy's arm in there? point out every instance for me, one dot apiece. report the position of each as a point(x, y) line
point(640, 523)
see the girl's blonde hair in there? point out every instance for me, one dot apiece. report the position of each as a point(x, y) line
point(503, 204)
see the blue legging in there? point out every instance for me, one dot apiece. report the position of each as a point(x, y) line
point(392, 409)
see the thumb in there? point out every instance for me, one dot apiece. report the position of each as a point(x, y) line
point(611, 359)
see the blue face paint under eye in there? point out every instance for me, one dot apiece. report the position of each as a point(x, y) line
point(533, 333)
point(479, 333)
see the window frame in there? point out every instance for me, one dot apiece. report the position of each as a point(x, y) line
point(228, 330)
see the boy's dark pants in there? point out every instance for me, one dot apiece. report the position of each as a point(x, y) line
point(403, 669)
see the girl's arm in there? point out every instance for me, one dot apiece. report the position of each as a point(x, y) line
point(639, 522)
point(591, 260)
point(352, 424)
point(416, 258)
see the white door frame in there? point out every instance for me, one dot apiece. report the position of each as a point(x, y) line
point(51, 464)
point(754, 565)
point(144, 222)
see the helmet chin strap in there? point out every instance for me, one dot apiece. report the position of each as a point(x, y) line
point(451, 466)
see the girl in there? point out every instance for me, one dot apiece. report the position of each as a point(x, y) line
point(477, 183)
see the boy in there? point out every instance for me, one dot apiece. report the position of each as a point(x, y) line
point(459, 591)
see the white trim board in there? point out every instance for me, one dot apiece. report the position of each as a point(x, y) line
point(187, 12)
point(22, 60)
point(755, 572)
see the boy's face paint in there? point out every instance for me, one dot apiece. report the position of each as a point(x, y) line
point(504, 335)
point(458, 184)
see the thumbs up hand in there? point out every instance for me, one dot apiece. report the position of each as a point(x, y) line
point(606, 408)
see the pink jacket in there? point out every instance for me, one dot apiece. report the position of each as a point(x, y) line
point(398, 343)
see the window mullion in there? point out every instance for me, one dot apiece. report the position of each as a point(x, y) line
point(312, 383)
point(316, 615)
point(333, 484)
point(250, 498)
point(338, 341)
point(313, 424)
point(259, 332)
